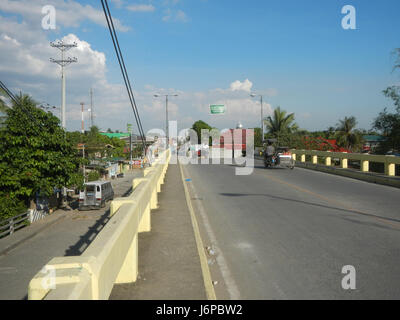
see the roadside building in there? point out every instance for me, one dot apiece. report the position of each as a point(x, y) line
point(372, 142)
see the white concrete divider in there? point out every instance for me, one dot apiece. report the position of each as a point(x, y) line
point(112, 257)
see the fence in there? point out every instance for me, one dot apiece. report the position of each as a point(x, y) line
point(112, 257)
point(364, 159)
point(10, 225)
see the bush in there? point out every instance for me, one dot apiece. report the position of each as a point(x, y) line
point(10, 206)
point(93, 175)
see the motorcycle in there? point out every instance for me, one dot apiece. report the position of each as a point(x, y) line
point(282, 157)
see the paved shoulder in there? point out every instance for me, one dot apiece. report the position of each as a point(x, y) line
point(169, 264)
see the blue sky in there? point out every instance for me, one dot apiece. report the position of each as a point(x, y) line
point(293, 51)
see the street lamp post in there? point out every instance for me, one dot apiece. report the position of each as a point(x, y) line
point(262, 115)
point(166, 113)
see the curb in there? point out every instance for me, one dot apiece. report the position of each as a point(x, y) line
point(210, 292)
point(364, 176)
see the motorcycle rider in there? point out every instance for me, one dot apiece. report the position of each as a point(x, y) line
point(270, 151)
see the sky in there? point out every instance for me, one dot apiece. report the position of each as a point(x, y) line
point(293, 52)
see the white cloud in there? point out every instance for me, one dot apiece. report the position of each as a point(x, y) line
point(246, 85)
point(25, 66)
point(175, 16)
point(118, 3)
point(141, 8)
point(68, 13)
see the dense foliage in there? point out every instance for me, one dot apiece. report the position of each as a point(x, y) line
point(388, 123)
point(34, 156)
point(96, 144)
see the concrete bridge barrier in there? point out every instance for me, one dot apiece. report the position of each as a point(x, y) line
point(112, 257)
point(389, 177)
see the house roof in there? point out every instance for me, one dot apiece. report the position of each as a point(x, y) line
point(115, 135)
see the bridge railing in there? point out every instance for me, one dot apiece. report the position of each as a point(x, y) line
point(112, 257)
point(364, 159)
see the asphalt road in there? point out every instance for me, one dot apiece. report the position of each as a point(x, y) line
point(70, 236)
point(287, 234)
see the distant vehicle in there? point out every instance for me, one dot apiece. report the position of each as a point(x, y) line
point(393, 153)
point(282, 157)
point(120, 175)
point(95, 195)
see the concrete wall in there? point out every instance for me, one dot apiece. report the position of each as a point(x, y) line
point(113, 255)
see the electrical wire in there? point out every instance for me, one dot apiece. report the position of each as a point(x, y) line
point(124, 72)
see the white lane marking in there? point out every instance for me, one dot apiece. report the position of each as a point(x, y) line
point(232, 288)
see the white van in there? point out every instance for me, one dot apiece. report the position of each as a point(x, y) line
point(95, 194)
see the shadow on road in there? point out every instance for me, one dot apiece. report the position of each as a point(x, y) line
point(85, 240)
point(310, 204)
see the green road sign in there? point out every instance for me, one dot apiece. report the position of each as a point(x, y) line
point(217, 109)
point(129, 128)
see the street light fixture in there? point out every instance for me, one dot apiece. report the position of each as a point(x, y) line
point(253, 95)
point(166, 112)
point(47, 107)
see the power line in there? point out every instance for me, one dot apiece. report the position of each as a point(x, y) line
point(15, 100)
point(8, 92)
point(121, 62)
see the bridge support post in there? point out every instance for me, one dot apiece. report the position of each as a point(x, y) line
point(390, 169)
point(343, 163)
point(364, 165)
point(314, 159)
point(328, 161)
point(129, 270)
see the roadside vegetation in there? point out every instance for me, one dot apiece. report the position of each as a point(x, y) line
point(37, 157)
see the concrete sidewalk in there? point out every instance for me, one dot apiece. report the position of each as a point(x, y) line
point(169, 263)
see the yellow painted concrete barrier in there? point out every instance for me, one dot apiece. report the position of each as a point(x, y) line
point(112, 257)
point(365, 159)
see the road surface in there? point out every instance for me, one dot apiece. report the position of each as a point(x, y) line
point(287, 234)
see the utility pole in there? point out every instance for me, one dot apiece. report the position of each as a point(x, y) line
point(91, 108)
point(83, 124)
point(129, 128)
point(262, 116)
point(83, 156)
point(166, 115)
point(63, 47)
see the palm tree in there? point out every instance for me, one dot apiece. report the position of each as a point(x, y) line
point(280, 122)
point(346, 134)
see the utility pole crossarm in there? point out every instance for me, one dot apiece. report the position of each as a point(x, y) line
point(63, 47)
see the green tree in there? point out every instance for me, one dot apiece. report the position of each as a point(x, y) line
point(257, 137)
point(346, 134)
point(388, 123)
point(34, 154)
point(281, 126)
point(198, 126)
point(280, 122)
